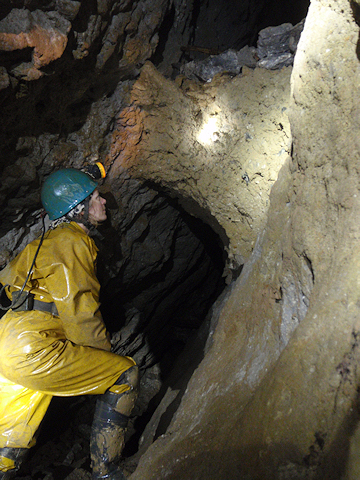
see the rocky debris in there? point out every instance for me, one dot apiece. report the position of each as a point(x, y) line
point(230, 62)
point(276, 48)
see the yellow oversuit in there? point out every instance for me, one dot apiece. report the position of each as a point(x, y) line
point(42, 355)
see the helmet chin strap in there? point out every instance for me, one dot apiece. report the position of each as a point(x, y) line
point(83, 216)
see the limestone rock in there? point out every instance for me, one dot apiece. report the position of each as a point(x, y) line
point(45, 33)
point(223, 176)
point(266, 401)
point(276, 46)
point(230, 62)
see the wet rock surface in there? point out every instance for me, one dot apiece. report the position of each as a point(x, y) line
point(263, 383)
point(282, 400)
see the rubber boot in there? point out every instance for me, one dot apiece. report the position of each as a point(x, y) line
point(109, 427)
point(12, 458)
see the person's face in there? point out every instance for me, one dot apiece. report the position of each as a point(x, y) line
point(97, 211)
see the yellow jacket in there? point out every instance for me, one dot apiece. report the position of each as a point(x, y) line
point(64, 273)
point(42, 355)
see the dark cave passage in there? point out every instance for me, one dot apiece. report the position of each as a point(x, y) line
point(220, 25)
point(216, 26)
point(160, 275)
point(161, 295)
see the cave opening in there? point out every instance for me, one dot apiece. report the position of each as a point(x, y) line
point(161, 269)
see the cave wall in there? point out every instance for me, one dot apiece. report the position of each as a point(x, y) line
point(276, 395)
point(226, 179)
point(65, 69)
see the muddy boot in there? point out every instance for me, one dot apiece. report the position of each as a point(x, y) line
point(109, 427)
point(11, 458)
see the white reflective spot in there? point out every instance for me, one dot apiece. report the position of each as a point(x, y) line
point(208, 131)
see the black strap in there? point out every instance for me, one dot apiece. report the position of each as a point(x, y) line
point(105, 413)
point(31, 304)
point(46, 307)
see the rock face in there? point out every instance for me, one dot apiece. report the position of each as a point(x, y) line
point(44, 34)
point(276, 395)
point(56, 59)
point(217, 147)
point(120, 26)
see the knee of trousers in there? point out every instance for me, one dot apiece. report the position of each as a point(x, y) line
point(124, 402)
point(130, 377)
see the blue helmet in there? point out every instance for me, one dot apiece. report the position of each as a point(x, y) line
point(64, 189)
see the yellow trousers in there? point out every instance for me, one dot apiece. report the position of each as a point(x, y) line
point(37, 365)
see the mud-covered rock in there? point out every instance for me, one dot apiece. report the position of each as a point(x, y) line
point(276, 395)
point(217, 146)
